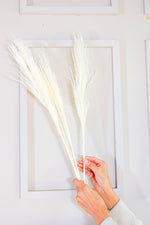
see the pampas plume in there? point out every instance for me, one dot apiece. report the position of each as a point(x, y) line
point(39, 79)
point(80, 82)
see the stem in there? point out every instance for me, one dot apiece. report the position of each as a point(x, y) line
point(73, 164)
point(62, 135)
point(64, 122)
point(74, 159)
point(70, 143)
point(83, 148)
point(70, 157)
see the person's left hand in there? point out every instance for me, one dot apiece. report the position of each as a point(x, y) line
point(91, 202)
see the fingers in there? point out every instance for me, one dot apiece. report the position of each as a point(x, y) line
point(94, 182)
point(81, 186)
point(98, 162)
point(78, 183)
point(91, 165)
point(80, 201)
point(89, 173)
point(80, 165)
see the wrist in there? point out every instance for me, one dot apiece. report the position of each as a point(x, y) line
point(100, 215)
point(110, 198)
point(100, 218)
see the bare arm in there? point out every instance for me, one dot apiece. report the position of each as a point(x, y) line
point(96, 169)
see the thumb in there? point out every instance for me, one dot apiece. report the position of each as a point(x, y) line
point(78, 183)
point(91, 165)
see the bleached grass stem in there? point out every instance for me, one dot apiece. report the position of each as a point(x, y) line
point(80, 83)
point(83, 149)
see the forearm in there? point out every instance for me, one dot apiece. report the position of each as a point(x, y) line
point(109, 196)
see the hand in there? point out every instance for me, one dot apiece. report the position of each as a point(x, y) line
point(97, 171)
point(91, 202)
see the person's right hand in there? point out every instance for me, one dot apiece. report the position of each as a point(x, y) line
point(97, 171)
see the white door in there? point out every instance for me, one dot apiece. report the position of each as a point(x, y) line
point(49, 168)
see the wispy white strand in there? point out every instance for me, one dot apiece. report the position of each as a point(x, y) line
point(45, 68)
point(80, 81)
point(41, 82)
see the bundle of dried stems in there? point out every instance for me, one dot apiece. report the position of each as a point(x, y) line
point(38, 78)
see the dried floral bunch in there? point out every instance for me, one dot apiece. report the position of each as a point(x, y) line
point(36, 75)
point(38, 78)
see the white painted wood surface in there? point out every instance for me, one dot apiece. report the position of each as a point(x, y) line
point(69, 7)
point(43, 166)
point(131, 28)
point(148, 94)
point(147, 7)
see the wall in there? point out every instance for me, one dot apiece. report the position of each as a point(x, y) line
point(131, 28)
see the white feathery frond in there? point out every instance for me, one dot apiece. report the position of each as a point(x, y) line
point(38, 78)
point(80, 82)
point(56, 96)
